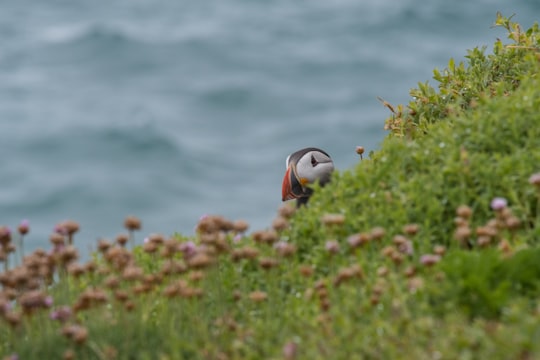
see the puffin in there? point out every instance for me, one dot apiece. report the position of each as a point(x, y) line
point(304, 167)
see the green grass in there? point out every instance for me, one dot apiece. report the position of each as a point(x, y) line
point(346, 278)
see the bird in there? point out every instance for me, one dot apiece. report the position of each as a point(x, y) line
point(305, 167)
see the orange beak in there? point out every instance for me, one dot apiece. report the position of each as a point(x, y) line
point(292, 188)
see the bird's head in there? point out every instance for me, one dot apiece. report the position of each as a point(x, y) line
point(305, 167)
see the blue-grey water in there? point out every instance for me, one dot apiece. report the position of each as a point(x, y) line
point(171, 109)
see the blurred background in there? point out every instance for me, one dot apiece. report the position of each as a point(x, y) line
point(169, 110)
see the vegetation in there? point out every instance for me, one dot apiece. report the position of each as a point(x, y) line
point(428, 249)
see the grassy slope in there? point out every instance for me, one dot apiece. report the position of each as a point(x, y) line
point(383, 299)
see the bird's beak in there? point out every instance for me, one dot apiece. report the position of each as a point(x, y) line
point(292, 187)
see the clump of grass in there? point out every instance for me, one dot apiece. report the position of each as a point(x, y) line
point(428, 249)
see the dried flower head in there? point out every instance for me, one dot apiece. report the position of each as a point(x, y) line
point(462, 234)
point(240, 226)
point(290, 350)
point(360, 150)
point(122, 239)
point(132, 223)
point(512, 222)
point(268, 263)
point(382, 271)
point(200, 260)
point(70, 227)
point(57, 239)
point(258, 296)
point(265, 236)
point(61, 314)
point(286, 210)
point(5, 235)
point(411, 229)
point(377, 233)
point(24, 227)
point(306, 270)
point(284, 249)
point(430, 259)
point(332, 246)
point(535, 179)
point(463, 211)
point(103, 245)
point(280, 223)
point(439, 250)
point(359, 239)
point(333, 219)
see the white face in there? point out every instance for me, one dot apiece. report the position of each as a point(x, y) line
point(313, 166)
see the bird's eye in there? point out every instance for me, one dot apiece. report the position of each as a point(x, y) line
point(313, 161)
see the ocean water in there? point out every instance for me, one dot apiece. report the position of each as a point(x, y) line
point(169, 110)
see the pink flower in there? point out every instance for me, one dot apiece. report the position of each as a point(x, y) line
point(332, 246)
point(188, 248)
point(498, 203)
point(429, 259)
point(61, 314)
point(406, 248)
point(290, 350)
point(237, 238)
point(535, 179)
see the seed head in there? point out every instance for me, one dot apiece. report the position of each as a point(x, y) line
point(258, 296)
point(268, 263)
point(377, 233)
point(286, 211)
point(359, 239)
point(103, 245)
point(430, 259)
point(332, 246)
point(265, 236)
point(535, 179)
point(411, 229)
point(333, 219)
point(122, 239)
point(463, 211)
point(284, 249)
point(306, 270)
point(415, 283)
point(360, 150)
point(132, 223)
point(69, 354)
point(439, 250)
point(200, 261)
point(240, 226)
point(56, 239)
point(512, 222)
point(61, 314)
point(70, 227)
point(462, 234)
point(382, 271)
point(24, 227)
point(290, 350)
point(280, 223)
point(5, 235)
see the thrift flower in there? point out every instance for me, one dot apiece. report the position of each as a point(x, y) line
point(188, 248)
point(429, 259)
point(332, 246)
point(61, 314)
point(498, 203)
point(24, 227)
point(535, 179)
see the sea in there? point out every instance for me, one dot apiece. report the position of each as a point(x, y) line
point(170, 110)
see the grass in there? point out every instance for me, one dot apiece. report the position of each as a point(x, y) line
point(407, 255)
